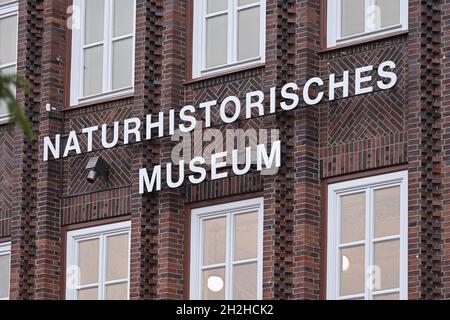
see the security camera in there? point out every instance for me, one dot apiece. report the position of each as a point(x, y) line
point(49, 108)
point(95, 167)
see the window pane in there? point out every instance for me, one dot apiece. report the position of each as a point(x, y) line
point(122, 63)
point(88, 294)
point(245, 2)
point(353, 15)
point(8, 39)
point(3, 107)
point(117, 257)
point(4, 275)
point(216, 5)
point(117, 291)
point(387, 212)
point(389, 11)
point(93, 70)
point(88, 256)
point(214, 241)
point(214, 284)
point(390, 296)
point(353, 214)
point(94, 17)
point(352, 268)
point(246, 236)
point(216, 41)
point(245, 282)
point(248, 23)
point(387, 258)
point(123, 17)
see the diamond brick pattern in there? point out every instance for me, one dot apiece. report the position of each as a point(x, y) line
point(368, 131)
point(118, 159)
point(368, 116)
point(7, 165)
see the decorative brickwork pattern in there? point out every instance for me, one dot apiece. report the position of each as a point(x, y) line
point(7, 166)
point(369, 131)
point(23, 219)
point(431, 136)
point(445, 101)
point(413, 115)
point(278, 189)
point(145, 210)
point(47, 275)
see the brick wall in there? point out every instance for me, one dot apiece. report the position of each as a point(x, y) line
point(445, 112)
point(407, 125)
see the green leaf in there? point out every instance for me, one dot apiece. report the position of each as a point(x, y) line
point(8, 83)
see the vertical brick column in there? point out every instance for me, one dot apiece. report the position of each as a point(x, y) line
point(414, 152)
point(270, 250)
point(306, 193)
point(445, 100)
point(431, 151)
point(23, 216)
point(145, 208)
point(171, 215)
point(47, 279)
point(276, 272)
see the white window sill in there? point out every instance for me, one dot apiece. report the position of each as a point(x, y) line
point(364, 40)
point(5, 119)
point(103, 97)
point(227, 69)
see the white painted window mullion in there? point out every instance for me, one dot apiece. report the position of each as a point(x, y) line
point(367, 3)
point(102, 268)
point(337, 243)
point(369, 242)
point(231, 32)
point(229, 258)
point(404, 238)
point(77, 72)
point(107, 49)
point(337, 19)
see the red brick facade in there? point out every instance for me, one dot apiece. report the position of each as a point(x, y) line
point(405, 127)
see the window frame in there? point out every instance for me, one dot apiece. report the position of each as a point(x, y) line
point(333, 20)
point(77, 57)
point(366, 185)
point(200, 15)
point(99, 232)
point(8, 9)
point(5, 249)
point(230, 211)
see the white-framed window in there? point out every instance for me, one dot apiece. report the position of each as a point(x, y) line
point(103, 46)
point(367, 250)
point(8, 45)
point(98, 263)
point(350, 20)
point(5, 269)
point(226, 251)
point(228, 34)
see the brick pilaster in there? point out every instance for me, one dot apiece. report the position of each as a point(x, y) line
point(48, 215)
